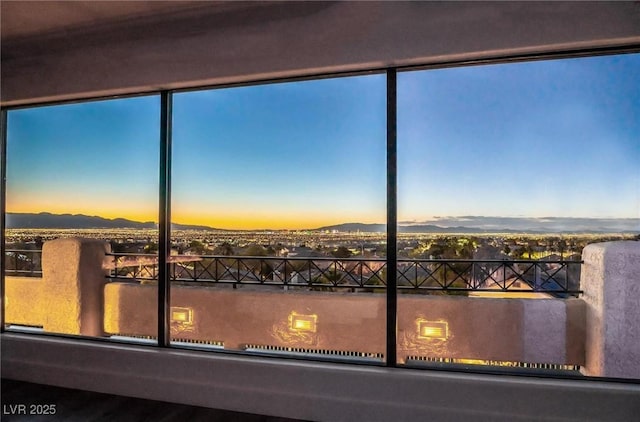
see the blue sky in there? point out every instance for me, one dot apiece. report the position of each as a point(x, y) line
point(96, 158)
point(302, 154)
point(554, 138)
point(551, 138)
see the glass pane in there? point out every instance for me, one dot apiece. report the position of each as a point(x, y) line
point(505, 173)
point(264, 180)
point(82, 183)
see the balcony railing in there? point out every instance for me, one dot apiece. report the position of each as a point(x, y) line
point(256, 270)
point(23, 262)
point(523, 325)
point(557, 277)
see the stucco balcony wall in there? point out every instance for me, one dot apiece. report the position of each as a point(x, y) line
point(515, 330)
point(23, 301)
point(611, 283)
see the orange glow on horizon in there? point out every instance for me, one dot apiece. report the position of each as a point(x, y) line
point(133, 215)
point(275, 220)
point(227, 221)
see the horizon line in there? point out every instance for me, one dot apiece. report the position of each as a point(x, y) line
point(458, 222)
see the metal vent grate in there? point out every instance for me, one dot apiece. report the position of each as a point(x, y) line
point(315, 352)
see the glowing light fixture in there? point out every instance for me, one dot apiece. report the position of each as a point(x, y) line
point(432, 329)
point(183, 316)
point(299, 322)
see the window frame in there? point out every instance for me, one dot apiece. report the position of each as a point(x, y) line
point(164, 186)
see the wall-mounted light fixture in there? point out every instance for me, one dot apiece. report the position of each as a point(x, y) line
point(437, 330)
point(300, 322)
point(182, 316)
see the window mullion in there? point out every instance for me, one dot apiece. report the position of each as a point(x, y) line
point(164, 219)
point(3, 190)
point(392, 218)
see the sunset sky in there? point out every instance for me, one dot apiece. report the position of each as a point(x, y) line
point(95, 158)
point(555, 138)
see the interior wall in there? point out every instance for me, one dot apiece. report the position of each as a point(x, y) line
point(310, 390)
point(211, 45)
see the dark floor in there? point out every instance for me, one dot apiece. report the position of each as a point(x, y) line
point(84, 406)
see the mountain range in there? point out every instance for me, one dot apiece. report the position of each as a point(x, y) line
point(464, 224)
point(481, 224)
point(45, 220)
point(416, 228)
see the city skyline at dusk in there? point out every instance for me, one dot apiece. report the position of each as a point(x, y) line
point(557, 138)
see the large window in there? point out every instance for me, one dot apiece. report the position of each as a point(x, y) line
point(505, 173)
point(87, 170)
point(272, 186)
point(278, 196)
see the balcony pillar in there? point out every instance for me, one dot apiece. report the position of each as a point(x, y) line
point(610, 280)
point(73, 285)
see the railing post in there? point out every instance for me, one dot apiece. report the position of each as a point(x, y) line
point(610, 279)
point(73, 285)
point(285, 271)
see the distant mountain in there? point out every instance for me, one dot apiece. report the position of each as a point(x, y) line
point(354, 227)
point(430, 228)
point(535, 224)
point(45, 220)
point(418, 228)
point(176, 226)
point(466, 224)
point(474, 224)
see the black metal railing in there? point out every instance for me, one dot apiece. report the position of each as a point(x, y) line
point(557, 277)
point(23, 262)
point(320, 272)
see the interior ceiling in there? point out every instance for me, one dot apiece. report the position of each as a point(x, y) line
point(64, 50)
point(26, 19)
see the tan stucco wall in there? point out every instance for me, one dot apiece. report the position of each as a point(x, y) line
point(348, 322)
point(23, 301)
point(610, 279)
point(522, 330)
point(73, 280)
